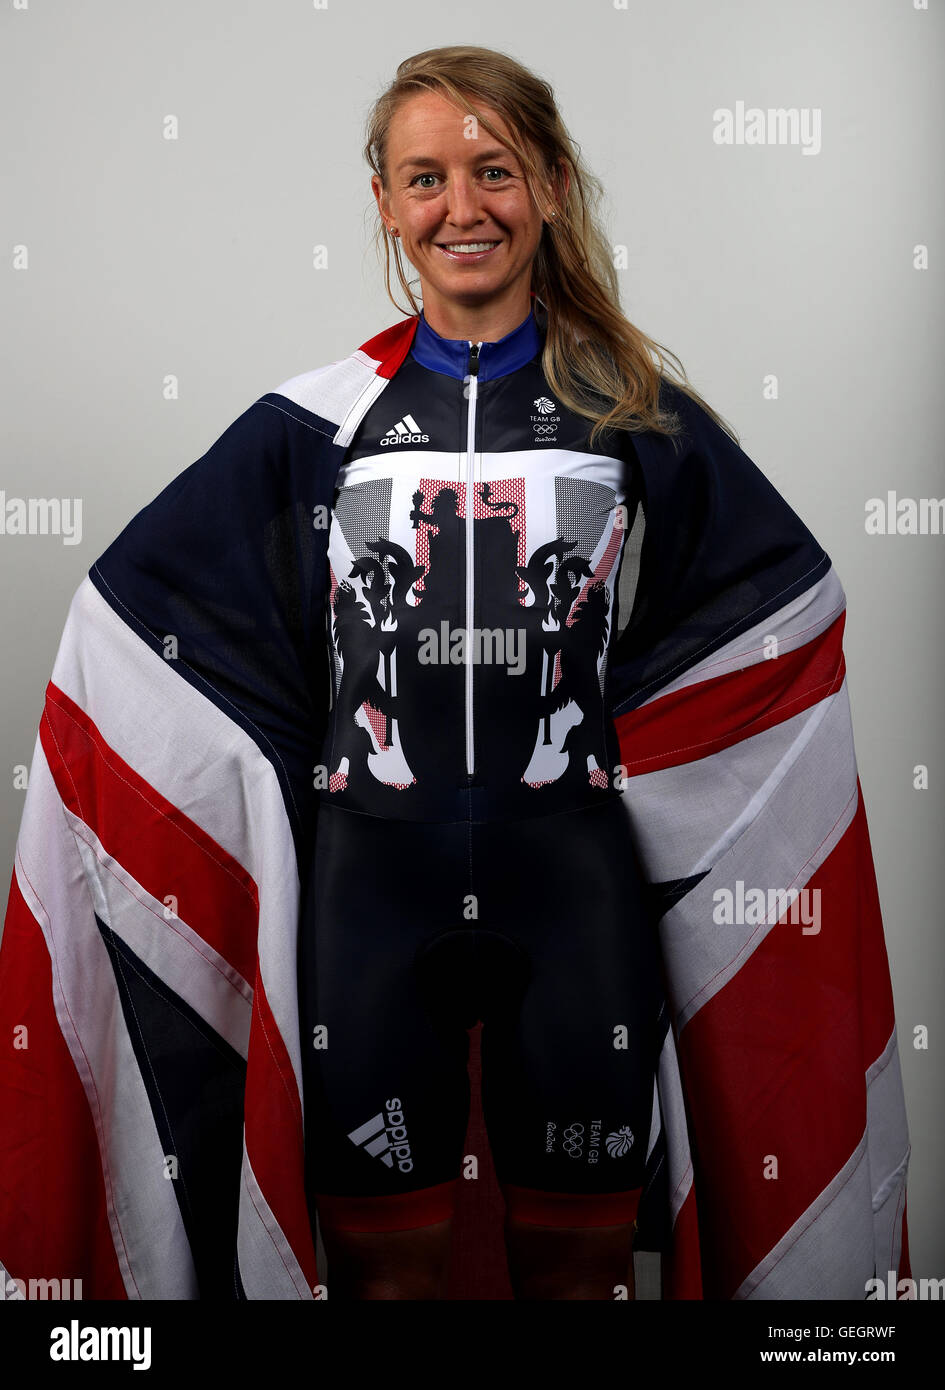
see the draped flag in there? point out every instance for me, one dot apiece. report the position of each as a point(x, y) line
point(151, 1136)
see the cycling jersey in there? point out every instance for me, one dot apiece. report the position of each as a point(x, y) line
point(475, 544)
point(473, 856)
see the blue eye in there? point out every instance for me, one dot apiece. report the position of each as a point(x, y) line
point(491, 169)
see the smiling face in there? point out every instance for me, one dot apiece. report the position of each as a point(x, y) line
point(446, 192)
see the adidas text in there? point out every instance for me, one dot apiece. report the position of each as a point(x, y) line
point(398, 1133)
point(404, 439)
point(406, 431)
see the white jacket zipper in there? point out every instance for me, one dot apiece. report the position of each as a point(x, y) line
point(473, 380)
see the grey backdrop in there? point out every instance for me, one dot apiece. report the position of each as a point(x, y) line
point(192, 258)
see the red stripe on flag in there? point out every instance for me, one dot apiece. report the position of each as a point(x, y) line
point(391, 346)
point(53, 1214)
point(682, 1268)
point(717, 712)
point(157, 844)
point(275, 1141)
point(775, 1063)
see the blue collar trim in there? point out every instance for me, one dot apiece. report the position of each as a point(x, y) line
point(450, 356)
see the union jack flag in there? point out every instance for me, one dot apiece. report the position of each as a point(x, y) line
point(151, 1136)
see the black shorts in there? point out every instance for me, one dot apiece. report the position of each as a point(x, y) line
point(414, 931)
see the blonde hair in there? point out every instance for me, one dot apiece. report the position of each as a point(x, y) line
point(597, 362)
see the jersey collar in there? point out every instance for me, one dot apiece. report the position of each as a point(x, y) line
point(450, 356)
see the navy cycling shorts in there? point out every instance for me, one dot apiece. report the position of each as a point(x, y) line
point(413, 931)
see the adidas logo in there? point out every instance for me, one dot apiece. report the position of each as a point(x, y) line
point(406, 431)
point(385, 1139)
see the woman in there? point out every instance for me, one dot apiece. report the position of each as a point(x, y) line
point(567, 667)
point(479, 495)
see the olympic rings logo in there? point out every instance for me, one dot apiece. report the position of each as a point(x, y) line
point(544, 429)
point(573, 1144)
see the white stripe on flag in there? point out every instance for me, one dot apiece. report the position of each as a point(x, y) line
point(180, 958)
point(144, 1217)
point(142, 708)
point(268, 1266)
